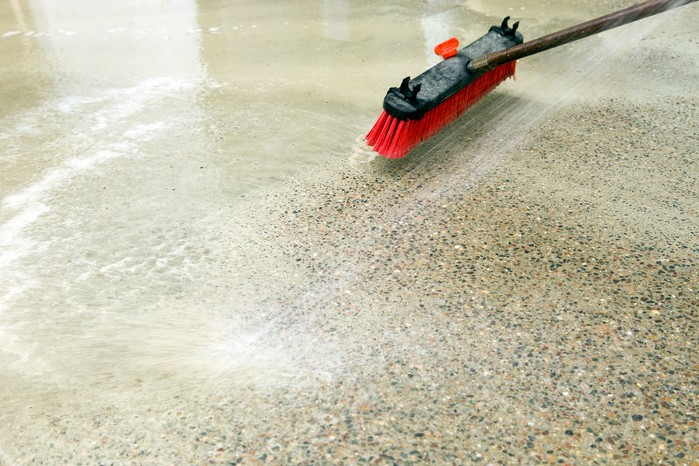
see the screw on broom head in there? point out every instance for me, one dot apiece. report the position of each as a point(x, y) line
point(421, 106)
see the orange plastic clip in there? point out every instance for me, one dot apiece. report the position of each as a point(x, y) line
point(447, 49)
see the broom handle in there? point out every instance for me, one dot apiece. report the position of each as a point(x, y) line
point(603, 23)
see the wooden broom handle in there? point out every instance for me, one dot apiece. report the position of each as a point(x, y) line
point(603, 23)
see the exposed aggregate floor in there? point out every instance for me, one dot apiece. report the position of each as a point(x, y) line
point(551, 308)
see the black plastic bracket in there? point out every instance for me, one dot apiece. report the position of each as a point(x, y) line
point(447, 77)
point(505, 29)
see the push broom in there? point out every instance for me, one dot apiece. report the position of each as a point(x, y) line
point(422, 106)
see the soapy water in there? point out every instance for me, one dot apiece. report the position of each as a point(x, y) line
point(148, 303)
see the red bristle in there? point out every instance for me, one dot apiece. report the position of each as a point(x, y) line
point(373, 135)
point(393, 138)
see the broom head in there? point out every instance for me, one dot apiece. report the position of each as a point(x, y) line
point(422, 106)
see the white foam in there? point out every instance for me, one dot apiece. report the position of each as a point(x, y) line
point(140, 131)
point(118, 266)
point(361, 153)
point(80, 164)
point(33, 193)
point(101, 123)
point(11, 229)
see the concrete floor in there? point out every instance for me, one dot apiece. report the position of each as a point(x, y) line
point(200, 263)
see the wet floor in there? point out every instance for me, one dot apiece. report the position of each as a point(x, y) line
point(200, 261)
